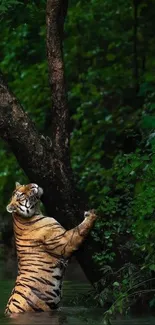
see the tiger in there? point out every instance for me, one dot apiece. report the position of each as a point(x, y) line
point(43, 248)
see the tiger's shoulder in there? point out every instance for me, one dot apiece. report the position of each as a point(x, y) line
point(44, 224)
point(43, 221)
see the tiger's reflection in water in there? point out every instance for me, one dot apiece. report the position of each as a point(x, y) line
point(47, 318)
point(43, 249)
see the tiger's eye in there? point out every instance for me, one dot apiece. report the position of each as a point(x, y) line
point(22, 196)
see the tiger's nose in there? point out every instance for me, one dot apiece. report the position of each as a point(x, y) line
point(10, 208)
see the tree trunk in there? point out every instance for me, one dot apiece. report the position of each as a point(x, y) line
point(45, 161)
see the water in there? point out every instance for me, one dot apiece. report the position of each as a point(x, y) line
point(71, 316)
point(67, 314)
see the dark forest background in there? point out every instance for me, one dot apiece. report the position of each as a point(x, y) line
point(109, 54)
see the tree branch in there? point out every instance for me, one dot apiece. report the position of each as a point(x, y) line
point(55, 16)
point(42, 167)
point(17, 129)
point(49, 167)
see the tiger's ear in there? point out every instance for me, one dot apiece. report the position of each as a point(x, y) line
point(17, 185)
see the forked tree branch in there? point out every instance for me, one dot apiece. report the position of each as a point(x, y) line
point(55, 16)
point(50, 168)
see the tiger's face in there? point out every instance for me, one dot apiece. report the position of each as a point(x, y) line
point(24, 199)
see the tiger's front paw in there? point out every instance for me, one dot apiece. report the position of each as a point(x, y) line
point(90, 214)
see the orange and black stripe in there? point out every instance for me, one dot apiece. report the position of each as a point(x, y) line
point(43, 249)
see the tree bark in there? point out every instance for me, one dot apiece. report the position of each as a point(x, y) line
point(55, 17)
point(47, 162)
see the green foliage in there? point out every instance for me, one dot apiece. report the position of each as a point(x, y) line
point(24, 64)
point(6, 5)
point(112, 142)
point(112, 126)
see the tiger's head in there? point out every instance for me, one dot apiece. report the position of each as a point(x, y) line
point(24, 200)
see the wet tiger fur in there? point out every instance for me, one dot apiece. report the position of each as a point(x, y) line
point(43, 249)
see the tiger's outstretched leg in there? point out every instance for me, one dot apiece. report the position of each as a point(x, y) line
point(63, 242)
point(75, 237)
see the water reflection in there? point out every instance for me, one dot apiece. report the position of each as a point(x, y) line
point(52, 318)
point(64, 316)
point(71, 316)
